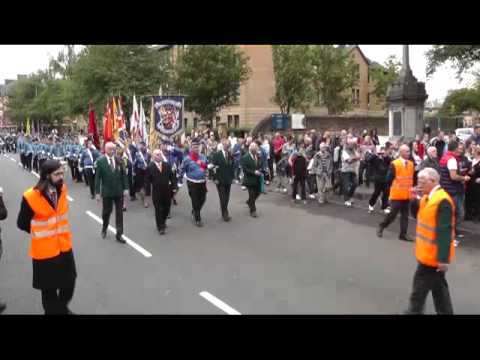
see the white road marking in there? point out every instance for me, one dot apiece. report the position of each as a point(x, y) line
point(219, 303)
point(19, 164)
point(113, 230)
point(34, 173)
point(13, 159)
point(69, 198)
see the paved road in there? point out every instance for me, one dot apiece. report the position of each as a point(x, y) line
point(293, 259)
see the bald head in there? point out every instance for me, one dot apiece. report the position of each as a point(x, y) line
point(110, 148)
point(405, 152)
point(432, 152)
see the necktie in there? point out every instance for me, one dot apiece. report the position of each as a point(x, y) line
point(112, 165)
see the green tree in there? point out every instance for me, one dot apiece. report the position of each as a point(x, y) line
point(210, 76)
point(384, 76)
point(334, 74)
point(463, 57)
point(64, 63)
point(460, 100)
point(105, 70)
point(293, 77)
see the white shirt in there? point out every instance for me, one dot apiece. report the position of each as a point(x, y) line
point(111, 161)
point(452, 164)
point(433, 191)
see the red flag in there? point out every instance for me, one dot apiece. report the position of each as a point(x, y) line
point(107, 124)
point(92, 126)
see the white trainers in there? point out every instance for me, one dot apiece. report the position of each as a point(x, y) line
point(387, 211)
point(285, 190)
point(304, 202)
point(348, 203)
point(267, 182)
point(298, 197)
point(370, 208)
point(311, 196)
point(456, 243)
point(244, 188)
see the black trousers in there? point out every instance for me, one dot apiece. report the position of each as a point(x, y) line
point(224, 195)
point(55, 301)
point(312, 184)
point(380, 189)
point(35, 164)
point(139, 181)
point(40, 163)
point(198, 195)
point(90, 179)
point(22, 159)
point(78, 174)
point(162, 209)
point(296, 181)
point(428, 279)
point(107, 211)
point(28, 162)
point(253, 194)
point(130, 182)
point(270, 168)
point(401, 206)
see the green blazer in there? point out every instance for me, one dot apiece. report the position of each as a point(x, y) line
point(248, 166)
point(224, 172)
point(111, 183)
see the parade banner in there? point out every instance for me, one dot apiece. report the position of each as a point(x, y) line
point(168, 114)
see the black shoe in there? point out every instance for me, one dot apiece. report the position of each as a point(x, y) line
point(227, 218)
point(120, 240)
point(380, 232)
point(69, 312)
point(161, 231)
point(175, 202)
point(404, 238)
point(3, 306)
point(199, 223)
point(124, 209)
point(254, 214)
point(169, 216)
point(92, 197)
point(104, 234)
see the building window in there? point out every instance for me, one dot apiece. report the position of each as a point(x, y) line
point(237, 121)
point(217, 121)
point(230, 120)
point(358, 72)
point(195, 122)
point(186, 123)
point(355, 96)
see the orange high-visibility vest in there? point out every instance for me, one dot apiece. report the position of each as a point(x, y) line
point(49, 228)
point(403, 180)
point(426, 247)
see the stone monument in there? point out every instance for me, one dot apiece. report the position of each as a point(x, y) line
point(406, 100)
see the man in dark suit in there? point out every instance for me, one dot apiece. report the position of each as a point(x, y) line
point(251, 169)
point(111, 179)
point(223, 165)
point(160, 179)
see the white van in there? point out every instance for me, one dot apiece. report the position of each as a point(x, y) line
point(464, 133)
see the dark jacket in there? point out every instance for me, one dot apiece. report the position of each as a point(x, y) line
point(299, 166)
point(3, 216)
point(110, 183)
point(379, 167)
point(224, 173)
point(57, 272)
point(249, 166)
point(160, 184)
point(431, 163)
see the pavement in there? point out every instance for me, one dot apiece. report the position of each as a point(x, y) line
point(292, 259)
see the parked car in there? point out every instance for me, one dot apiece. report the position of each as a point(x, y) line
point(464, 133)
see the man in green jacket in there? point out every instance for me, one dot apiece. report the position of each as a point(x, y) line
point(111, 179)
point(223, 167)
point(251, 166)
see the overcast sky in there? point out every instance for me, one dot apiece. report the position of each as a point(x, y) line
point(26, 59)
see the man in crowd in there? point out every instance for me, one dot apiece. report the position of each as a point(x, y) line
point(350, 166)
point(194, 166)
point(379, 164)
point(251, 168)
point(453, 182)
point(140, 164)
point(400, 175)
point(162, 183)
point(431, 160)
point(111, 182)
point(87, 165)
point(434, 248)
point(322, 168)
point(223, 167)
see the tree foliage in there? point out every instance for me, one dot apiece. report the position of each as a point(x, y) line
point(384, 76)
point(293, 77)
point(460, 100)
point(334, 73)
point(463, 57)
point(210, 77)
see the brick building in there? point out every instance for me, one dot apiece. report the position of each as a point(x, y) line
point(255, 100)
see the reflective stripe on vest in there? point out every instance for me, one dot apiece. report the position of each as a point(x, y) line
point(426, 248)
point(49, 228)
point(403, 180)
